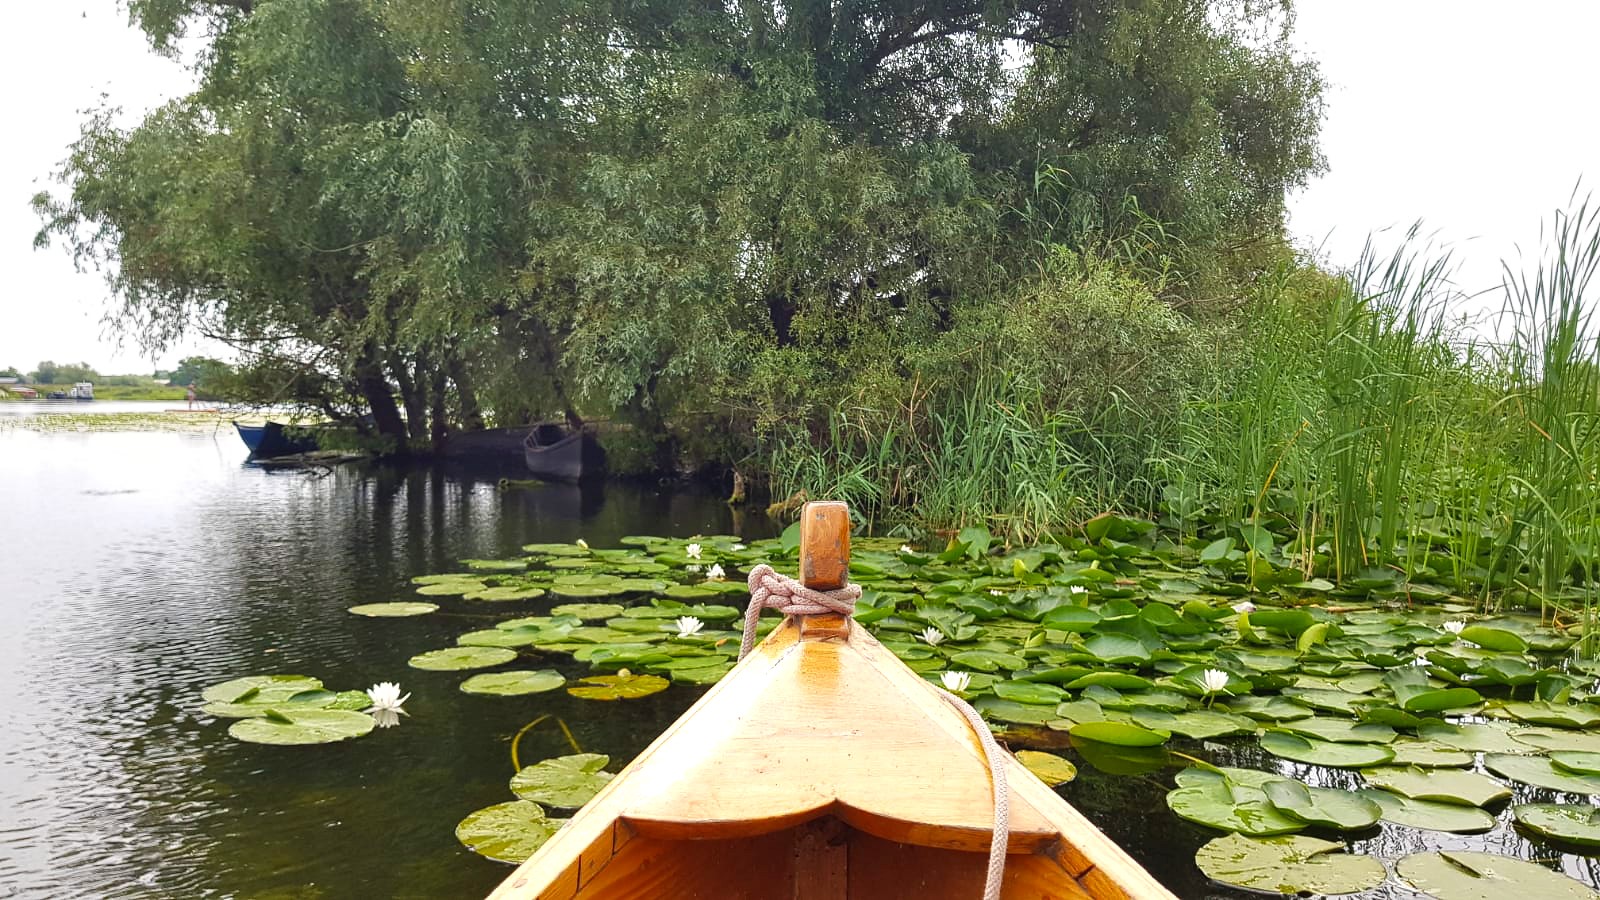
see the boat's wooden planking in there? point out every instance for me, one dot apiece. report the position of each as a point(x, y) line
point(821, 766)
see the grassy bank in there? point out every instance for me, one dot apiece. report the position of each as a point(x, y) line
point(1355, 420)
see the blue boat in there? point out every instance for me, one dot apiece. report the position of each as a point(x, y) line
point(272, 439)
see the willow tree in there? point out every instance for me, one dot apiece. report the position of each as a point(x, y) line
point(653, 207)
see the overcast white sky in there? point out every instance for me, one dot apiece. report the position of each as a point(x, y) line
point(1475, 117)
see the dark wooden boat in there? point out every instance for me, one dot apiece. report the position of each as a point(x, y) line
point(823, 767)
point(554, 453)
point(273, 439)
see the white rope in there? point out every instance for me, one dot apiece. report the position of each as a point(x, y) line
point(770, 590)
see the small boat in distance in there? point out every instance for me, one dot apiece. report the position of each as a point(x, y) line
point(555, 453)
point(273, 439)
point(821, 766)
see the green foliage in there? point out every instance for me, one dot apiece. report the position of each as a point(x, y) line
point(49, 372)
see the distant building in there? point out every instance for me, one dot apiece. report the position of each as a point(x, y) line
point(8, 379)
point(26, 393)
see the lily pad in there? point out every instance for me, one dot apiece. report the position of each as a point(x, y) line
point(259, 688)
point(1047, 767)
point(1577, 761)
point(1472, 738)
point(1494, 638)
point(1540, 772)
point(567, 782)
point(506, 593)
point(1440, 785)
point(1430, 815)
point(1339, 810)
point(295, 727)
point(1288, 865)
point(507, 832)
point(1559, 715)
point(455, 659)
point(1575, 824)
point(395, 610)
point(1198, 724)
point(1429, 755)
point(1463, 875)
point(1226, 806)
point(513, 684)
point(1324, 753)
point(1122, 734)
point(622, 686)
point(588, 611)
point(451, 588)
point(1550, 739)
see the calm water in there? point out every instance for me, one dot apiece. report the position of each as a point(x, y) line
point(135, 569)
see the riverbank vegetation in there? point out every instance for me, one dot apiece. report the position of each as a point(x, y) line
point(955, 262)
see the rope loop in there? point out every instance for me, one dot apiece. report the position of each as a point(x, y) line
point(770, 590)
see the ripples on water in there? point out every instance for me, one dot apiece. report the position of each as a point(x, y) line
point(138, 568)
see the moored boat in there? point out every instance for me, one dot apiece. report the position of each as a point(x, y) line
point(272, 439)
point(555, 453)
point(822, 767)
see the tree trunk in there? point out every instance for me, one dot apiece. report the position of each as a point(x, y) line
point(380, 399)
point(471, 415)
point(411, 395)
point(440, 419)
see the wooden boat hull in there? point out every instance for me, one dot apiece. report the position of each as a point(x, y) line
point(572, 457)
point(271, 439)
point(821, 767)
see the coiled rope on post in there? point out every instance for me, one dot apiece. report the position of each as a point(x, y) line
point(770, 590)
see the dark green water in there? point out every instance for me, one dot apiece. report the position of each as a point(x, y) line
point(139, 568)
point(135, 569)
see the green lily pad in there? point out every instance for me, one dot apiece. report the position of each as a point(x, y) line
point(1540, 772)
point(1549, 739)
point(1122, 734)
point(1430, 815)
point(451, 588)
point(622, 686)
point(566, 782)
point(507, 832)
point(1036, 693)
point(1288, 865)
point(1577, 761)
point(1572, 823)
point(1415, 694)
point(588, 611)
point(1440, 785)
point(1559, 715)
point(1463, 875)
point(297, 727)
point(505, 593)
point(1429, 755)
point(1198, 724)
point(1494, 638)
point(1324, 753)
point(455, 659)
point(1472, 738)
point(394, 610)
point(1339, 810)
point(1118, 649)
point(1047, 767)
point(1226, 806)
point(259, 688)
point(1340, 731)
point(513, 684)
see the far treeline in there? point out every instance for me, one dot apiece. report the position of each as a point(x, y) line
point(1004, 261)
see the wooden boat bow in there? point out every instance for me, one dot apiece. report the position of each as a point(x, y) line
point(821, 766)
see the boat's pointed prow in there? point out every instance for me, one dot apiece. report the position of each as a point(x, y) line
point(822, 767)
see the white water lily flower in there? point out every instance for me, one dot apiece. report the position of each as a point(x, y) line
point(1244, 606)
point(582, 543)
point(737, 547)
point(995, 593)
point(692, 551)
point(1077, 589)
point(1454, 626)
point(385, 718)
point(691, 568)
point(1213, 681)
point(715, 573)
point(385, 696)
point(932, 636)
point(955, 682)
point(905, 548)
point(689, 626)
